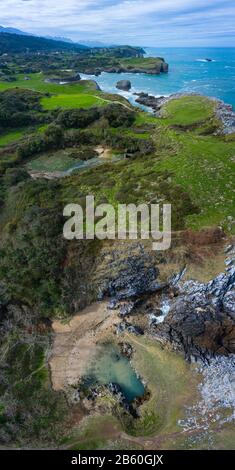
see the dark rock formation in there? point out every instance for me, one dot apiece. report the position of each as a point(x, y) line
point(124, 85)
point(164, 67)
point(229, 303)
point(64, 79)
point(135, 278)
point(150, 101)
point(125, 326)
point(226, 115)
point(201, 319)
point(126, 349)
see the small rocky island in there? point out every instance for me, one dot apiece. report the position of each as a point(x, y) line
point(124, 85)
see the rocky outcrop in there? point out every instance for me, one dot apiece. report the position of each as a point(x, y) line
point(136, 277)
point(195, 318)
point(64, 79)
point(124, 85)
point(226, 115)
point(150, 101)
point(201, 321)
point(126, 350)
point(126, 326)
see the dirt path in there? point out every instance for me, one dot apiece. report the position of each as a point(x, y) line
point(114, 101)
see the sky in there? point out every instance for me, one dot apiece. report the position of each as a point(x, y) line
point(168, 23)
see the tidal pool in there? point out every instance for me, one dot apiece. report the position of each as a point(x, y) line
point(110, 366)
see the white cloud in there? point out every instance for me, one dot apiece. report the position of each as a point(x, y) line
point(121, 20)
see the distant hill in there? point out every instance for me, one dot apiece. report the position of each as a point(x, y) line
point(16, 43)
point(33, 43)
point(97, 44)
point(61, 38)
point(14, 31)
point(90, 44)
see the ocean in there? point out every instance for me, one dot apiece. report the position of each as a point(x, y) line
point(188, 72)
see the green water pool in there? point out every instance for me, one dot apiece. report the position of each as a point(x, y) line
point(109, 365)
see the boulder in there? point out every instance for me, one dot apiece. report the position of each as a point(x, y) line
point(124, 85)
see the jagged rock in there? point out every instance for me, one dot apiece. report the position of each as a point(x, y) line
point(150, 101)
point(64, 79)
point(176, 278)
point(126, 349)
point(134, 280)
point(229, 303)
point(124, 85)
point(230, 249)
point(215, 289)
point(126, 308)
point(226, 115)
point(201, 319)
point(113, 304)
point(125, 326)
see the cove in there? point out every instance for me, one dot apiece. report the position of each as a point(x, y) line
point(109, 365)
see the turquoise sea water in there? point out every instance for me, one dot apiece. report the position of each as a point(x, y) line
point(188, 72)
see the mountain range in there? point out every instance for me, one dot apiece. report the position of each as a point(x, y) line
point(10, 30)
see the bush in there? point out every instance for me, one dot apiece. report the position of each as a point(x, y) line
point(78, 118)
point(14, 176)
point(118, 116)
point(19, 107)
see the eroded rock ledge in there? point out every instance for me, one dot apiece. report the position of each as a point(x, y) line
point(201, 318)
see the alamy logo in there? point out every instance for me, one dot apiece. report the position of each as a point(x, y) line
point(126, 221)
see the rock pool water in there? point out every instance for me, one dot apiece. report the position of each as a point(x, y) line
point(110, 366)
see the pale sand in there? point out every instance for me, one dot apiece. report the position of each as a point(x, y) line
point(75, 343)
point(103, 152)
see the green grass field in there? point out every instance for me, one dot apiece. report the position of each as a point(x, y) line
point(145, 63)
point(10, 137)
point(171, 382)
point(37, 83)
point(204, 167)
point(188, 110)
point(15, 135)
point(71, 101)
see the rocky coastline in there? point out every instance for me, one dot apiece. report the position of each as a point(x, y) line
point(157, 67)
point(226, 115)
point(224, 111)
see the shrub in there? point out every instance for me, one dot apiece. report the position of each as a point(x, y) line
point(118, 116)
point(14, 176)
point(78, 118)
